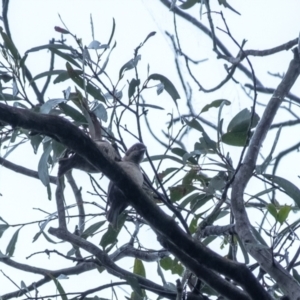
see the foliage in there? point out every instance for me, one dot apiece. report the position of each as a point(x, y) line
point(199, 209)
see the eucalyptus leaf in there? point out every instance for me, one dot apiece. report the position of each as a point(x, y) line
point(129, 65)
point(215, 103)
point(287, 186)
point(3, 227)
point(43, 165)
point(168, 86)
point(8, 43)
point(66, 56)
point(10, 249)
point(134, 83)
point(241, 121)
point(47, 106)
point(99, 110)
point(110, 236)
point(91, 89)
point(138, 268)
point(46, 74)
point(59, 288)
point(64, 75)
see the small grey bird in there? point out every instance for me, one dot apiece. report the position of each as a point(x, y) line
point(75, 161)
point(131, 165)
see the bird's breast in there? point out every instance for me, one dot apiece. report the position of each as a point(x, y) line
point(134, 171)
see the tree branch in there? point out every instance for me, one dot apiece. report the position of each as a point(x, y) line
point(69, 135)
point(22, 170)
point(263, 256)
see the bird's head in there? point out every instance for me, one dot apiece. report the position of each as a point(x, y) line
point(135, 153)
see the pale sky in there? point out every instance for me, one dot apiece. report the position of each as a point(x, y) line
point(264, 24)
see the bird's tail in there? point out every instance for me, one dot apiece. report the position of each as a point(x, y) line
point(113, 216)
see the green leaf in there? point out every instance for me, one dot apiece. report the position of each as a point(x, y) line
point(238, 139)
point(5, 77)
point(134, 83)
point(185, 155)
point(35, 141)
point(166, 172)
point(287, 186)
point(217, 183)
point(283, 213)
point(92, 229)
point(10, 249)
point(266, 191)
point(58, 149)
point(296, 275)
point(102, 69)
point(138, 268)
point(110, 236)
point(134, 284)
point(129, 65)
point(36, 236)
point(173, 265)
point(215, 103)
point(59, 288)
point(65, 56)
point(199, 201)
point(160, 273)
point(48, 238)
point(8, 97)
point(48, 47)
point(179, 191)
point(151, 106)
point(241, 121)
point(43, 165)
point(46, 74)
point(193, 225)
point(272, 210)
point(168, 86)
point(92, 90)
point(166, 263)
point(226, 4)
point(196, 125)
point(244, 251)
point(188, 4)
point(190, 176)
point(3, 227)
point(64, 75)
point(100, 111)
point(8, 43)
point(47, 106)
point(112, 32)
point(73, 113)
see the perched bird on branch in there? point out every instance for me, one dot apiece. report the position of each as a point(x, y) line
point(75, 161)
point(131, 165)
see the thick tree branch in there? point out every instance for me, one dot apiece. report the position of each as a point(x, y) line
point(22, 170)
point(263, 256)
point(69, 135)
point(44, 272)
point(110, 266)
point(219, 284)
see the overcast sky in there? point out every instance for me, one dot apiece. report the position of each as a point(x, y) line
point(264, 24)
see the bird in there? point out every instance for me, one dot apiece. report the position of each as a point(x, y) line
point(75, 161)
point(115, 197)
